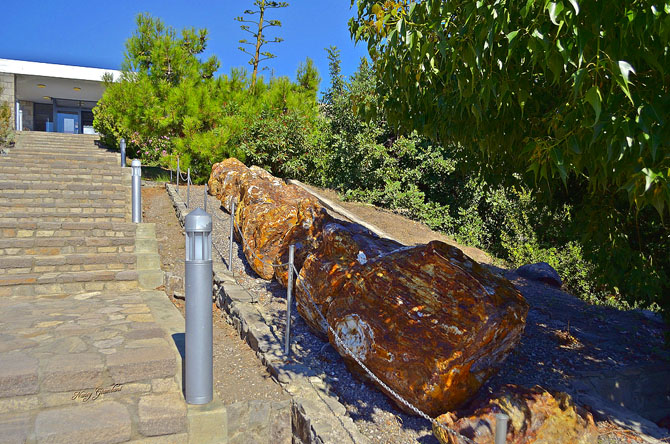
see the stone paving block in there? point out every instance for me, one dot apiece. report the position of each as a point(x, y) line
point(18, 374)
point(141, 363)
point(99, 423)
point(15, 427)
point(74, 371)
point(162, 414)
point(182, 438)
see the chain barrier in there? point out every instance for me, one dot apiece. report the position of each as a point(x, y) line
point(372, 375)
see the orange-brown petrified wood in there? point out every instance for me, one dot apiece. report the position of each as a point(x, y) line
point(339, 247)
point(224, 181)
point(267, 210)
point(536, 417)
point(429, 321)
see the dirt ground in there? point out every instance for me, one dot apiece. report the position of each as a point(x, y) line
point(402, 229)
point(238, 374)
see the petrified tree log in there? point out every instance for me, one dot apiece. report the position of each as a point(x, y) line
point(536, 417)
point(430, 322)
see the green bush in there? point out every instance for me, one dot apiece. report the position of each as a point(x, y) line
point(6, 132)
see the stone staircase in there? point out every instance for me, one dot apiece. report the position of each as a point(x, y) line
point(84, 357)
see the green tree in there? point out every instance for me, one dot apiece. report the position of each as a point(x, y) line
point(308, 76)
point(167, 102)
point(565, 89)
point(257, 33)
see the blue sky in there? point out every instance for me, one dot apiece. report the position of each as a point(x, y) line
point(93, 33)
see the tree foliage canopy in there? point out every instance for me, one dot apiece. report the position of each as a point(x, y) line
point(564, 89)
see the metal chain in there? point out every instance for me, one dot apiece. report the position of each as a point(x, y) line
point(372, 375)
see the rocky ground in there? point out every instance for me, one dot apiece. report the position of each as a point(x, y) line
point(564, 338)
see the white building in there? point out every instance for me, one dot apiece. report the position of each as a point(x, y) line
point(50, 97)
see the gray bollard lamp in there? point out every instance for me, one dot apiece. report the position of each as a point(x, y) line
point(198, 379)
point(137, 190)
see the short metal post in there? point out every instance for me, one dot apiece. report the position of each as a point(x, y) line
point(122, 145)
point(198, 370)
point(205, 201)
point(188, 189)
point(170, 175)
point(232, 231)
point(501, 428)
point(177, 175)
point(137, 190)
point(289, 300)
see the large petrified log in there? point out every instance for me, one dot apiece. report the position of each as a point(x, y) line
point(536, 417)
point(430, 322)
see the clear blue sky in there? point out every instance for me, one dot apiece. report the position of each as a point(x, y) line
point(93, 33)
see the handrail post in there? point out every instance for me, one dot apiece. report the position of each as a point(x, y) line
point(205, 199)
point(177, 175)
point(188, 188)
point(289, 300)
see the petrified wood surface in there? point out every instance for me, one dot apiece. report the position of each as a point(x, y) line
point(224, 181)
point(536, 416)
point(267, 211)
point(428, 321)
point(340, 246)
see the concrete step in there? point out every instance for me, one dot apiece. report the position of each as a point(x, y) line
point(50, 245)
point(40, 284)
point(55, 176)
point(37, 228)
point(54, 195)
point(62, 210)
point(74, 184)
point(26, 264)
point(57, 200)
point(26, 217)
point(58, 203)
point(64, 153)
point(12, 165)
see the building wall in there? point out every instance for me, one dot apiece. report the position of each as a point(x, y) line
point(7, 84)
point(28, 120)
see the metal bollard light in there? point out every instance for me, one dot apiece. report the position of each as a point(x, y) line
point(501, 428)
point(188, 189)
point(137, 190)
point(289, 300)
point(198, 381)
point(232, 232)
point(122, 145)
